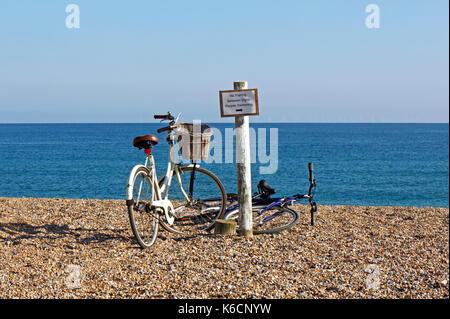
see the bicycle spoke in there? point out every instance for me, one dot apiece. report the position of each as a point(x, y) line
point(201, 210)
point(144, 220)
point(272, 220)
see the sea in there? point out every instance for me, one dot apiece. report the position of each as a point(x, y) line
point(370, 164)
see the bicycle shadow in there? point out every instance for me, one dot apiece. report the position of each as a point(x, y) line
point(181, 237)
point(16, 232)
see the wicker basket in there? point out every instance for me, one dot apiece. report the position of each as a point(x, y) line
point(193, 145)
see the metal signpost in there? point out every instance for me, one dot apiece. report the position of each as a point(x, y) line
point(240, 103)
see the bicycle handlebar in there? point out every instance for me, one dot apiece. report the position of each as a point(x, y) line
point(311, 172)
point(167, 116)
point(163, 117)
point(163, 129)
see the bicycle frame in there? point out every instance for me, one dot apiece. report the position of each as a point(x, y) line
point(273, 202)
point(265, 204)
point(160, 193)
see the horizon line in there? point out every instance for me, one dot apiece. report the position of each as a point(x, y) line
point(257, 122)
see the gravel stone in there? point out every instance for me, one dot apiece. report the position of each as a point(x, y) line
point(84, 248)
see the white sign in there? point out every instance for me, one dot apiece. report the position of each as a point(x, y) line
point(239, 102)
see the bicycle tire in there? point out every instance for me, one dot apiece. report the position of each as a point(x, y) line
point(189, 218)
point(284, 218)
point(139, 211)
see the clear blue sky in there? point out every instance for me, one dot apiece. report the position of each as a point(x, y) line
point(312, 61)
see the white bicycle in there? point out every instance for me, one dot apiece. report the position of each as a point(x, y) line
point(188, 207)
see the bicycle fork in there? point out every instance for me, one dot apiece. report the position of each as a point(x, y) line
point(313, 212)
point(191, 181)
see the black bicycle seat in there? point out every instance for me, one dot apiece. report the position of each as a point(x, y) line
point(264, 189)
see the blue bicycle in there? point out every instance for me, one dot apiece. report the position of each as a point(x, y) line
point(271, 215)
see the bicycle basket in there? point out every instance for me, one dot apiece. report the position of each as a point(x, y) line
point(194, 140)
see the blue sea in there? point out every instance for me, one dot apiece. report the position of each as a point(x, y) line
point(355, 164)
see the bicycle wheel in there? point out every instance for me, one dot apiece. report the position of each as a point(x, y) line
point(198, 204)
point(273, 220)
point(143, 219)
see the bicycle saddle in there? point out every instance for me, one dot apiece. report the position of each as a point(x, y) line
point(264, 189)
point(145, 141)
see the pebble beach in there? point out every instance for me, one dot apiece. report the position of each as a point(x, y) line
point(84, 248)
